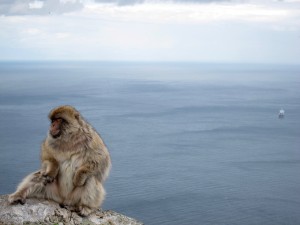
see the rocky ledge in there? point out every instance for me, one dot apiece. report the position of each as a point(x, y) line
point(38, 212)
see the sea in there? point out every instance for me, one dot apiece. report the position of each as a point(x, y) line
point(191, 143)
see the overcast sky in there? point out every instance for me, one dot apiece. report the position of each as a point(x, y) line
point(254, 31)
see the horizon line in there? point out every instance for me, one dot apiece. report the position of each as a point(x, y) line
point(146, 61)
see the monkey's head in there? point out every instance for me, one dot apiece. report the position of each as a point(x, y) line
point(63, 119)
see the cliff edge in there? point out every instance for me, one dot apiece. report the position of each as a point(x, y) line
point(39, 211)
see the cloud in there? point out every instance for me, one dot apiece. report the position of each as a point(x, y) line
point(199, 8)
point(168, 12)
point(133, 2)
point(38, 7)
point(236, 30)
point(45, 7)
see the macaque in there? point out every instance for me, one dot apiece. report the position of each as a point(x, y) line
point(75, 163)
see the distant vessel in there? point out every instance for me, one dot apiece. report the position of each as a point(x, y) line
point(281, 114)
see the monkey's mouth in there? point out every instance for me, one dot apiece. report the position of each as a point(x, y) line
point(55, 134)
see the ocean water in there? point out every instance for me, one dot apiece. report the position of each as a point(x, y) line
point(191, 144)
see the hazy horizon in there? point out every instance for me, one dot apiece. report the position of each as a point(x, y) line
point(149, 61)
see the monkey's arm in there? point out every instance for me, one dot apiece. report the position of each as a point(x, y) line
point(97, 166)
point(50, 166)
point(82, 174)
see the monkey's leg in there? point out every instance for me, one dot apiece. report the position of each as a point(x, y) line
point(32, 184)
point(51, 192)
point(35, 186)
point(89, 197)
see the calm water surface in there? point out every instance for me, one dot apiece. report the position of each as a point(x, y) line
point(190, 143)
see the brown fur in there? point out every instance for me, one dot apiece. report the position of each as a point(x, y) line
point(74, 165)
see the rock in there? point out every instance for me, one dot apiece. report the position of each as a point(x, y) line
point(39, 211)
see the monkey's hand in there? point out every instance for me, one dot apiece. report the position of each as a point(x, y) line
point(79, 178)
point(49, 171)
point(47, 179)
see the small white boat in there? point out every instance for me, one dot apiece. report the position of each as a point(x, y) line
point(281, 113)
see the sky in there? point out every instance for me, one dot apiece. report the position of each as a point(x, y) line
point(233, 31)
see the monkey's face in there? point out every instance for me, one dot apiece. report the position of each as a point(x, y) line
point(64, 122)
point(56, 127)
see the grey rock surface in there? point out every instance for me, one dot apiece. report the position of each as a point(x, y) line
point(39, 211)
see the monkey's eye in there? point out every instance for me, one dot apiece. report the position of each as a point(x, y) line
point(60, 120)
point(55, 119)
point(64, 121)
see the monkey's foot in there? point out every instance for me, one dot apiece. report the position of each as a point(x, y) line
point(70, 208)
point(63, 206)
point(79, 210)
point(15, 199)
point(84, 211)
